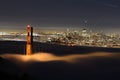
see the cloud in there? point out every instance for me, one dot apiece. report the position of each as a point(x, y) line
point(47, 57)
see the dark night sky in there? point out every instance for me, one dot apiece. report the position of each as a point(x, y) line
point(95, 14)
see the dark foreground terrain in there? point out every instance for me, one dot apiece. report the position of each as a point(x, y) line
point(91, 63)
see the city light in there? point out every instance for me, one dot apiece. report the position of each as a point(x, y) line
point(81, 37)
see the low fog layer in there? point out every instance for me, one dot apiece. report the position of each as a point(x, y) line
point(72, 59)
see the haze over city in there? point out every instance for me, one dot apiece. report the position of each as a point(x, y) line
point(56, 14)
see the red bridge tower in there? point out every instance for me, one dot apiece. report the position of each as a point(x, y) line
point(29, 40)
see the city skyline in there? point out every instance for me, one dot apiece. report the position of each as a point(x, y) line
point(61, 14)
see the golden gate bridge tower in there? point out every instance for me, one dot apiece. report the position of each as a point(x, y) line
point(29, 40)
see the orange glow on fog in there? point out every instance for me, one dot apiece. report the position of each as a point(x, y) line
point(46, 57)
